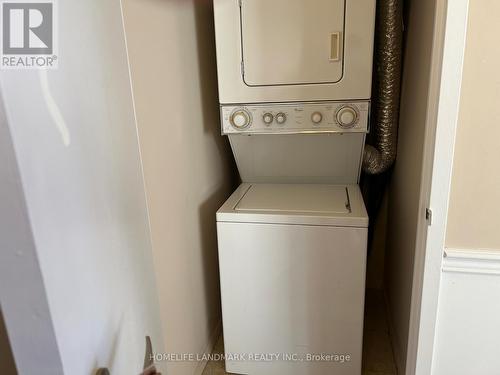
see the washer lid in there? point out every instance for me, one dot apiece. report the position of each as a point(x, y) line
point(324, 199)
point(329, 205)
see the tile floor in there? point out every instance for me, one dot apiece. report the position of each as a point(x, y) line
point(378, 356)
point(377, 349)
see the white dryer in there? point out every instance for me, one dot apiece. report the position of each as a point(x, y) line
point(294, 50)
point(292, 266)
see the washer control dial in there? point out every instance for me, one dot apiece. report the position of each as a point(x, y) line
point(268, 118)
point(316, 117)
point(241, 118)
point(281, 118)
point(347, 116)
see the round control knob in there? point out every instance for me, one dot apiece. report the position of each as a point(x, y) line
point(347, 117)
point(281, 118)
point(268, 118)
point(240, 119)
point(316, 117)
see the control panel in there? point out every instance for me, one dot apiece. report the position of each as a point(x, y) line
point(314, 117)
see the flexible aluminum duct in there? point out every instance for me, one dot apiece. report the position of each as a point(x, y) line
point(380, 155)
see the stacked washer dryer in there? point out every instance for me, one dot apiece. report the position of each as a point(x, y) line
point(294, 87)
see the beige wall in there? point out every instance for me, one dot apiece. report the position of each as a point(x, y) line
point(186, 162)
point(474, 213)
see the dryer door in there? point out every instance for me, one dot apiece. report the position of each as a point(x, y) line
point(292, 42)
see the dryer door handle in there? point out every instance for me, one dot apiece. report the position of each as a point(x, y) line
point(335, 46)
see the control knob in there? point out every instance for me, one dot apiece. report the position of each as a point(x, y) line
point(281, 118)
point(316, 117)
point(347, 116)
point(268, 118)
point(240, 118)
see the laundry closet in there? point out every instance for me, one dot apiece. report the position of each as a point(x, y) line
point(297, 103)
point(308, 215)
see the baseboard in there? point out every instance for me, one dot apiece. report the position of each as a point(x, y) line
point(472, 261)
point(217, 331)
point(395, 341)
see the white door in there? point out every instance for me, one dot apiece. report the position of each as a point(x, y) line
point(76, 275)
point(292, 42)
point(442, 61)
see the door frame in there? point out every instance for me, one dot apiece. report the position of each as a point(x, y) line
point(442, 118)
point(24, 303)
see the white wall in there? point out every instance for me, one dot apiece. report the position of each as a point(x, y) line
point(467, 338)
point(76, 145)
point(186, 162)
point(405, 214)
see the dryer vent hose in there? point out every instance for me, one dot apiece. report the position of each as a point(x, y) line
point(380, 152)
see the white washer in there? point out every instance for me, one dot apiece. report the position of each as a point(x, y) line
point(292, 266)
